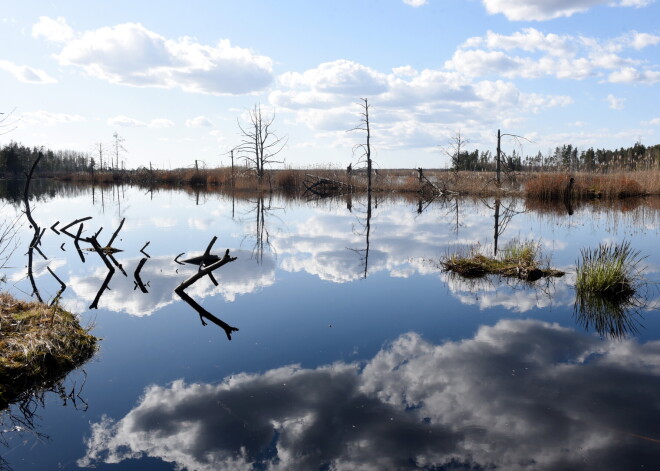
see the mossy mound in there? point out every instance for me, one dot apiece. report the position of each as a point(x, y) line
point(39, 345)
point(518, 259)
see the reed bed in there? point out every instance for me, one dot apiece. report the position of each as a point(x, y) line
point(558, 186)
point(547, 186)
point(38, 344)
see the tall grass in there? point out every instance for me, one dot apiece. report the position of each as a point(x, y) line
point(607, 283)
point(556, 186)
point(611, 271)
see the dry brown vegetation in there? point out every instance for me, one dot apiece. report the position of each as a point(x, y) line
point(39, 344)
point(547, 186)
point(555, 186)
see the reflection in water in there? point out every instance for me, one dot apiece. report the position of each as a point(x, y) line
point(207, 264)
point(610, 318)
point(518, 395)
point(512, 294)
point(366, 231)
point(241, 277)
point(21, 419)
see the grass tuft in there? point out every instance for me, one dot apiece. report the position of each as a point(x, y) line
point(611, 271)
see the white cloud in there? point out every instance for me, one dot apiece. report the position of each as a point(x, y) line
point(56, 30)
point(199, 122)
point(128, 122)
point(541, 10)
point(26, 74)
point(632, 75)
point(340, 77)
point(565, 56)
point(130, 54)
point(655, 122)
point(642, 40)
point(415, 3)
point(614, 102)
point(634, 3)
point(161, 123)
point(48, 118)
point(412, 108)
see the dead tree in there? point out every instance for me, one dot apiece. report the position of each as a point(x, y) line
point(259, 144)
point(498, 155)
point(117, 147)
point(364, 149)
point(453, 150)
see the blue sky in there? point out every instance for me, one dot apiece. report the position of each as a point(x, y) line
point(172, 78)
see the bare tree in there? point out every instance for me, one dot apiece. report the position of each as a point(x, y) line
point(6, 123)
point(259, 143)
point(117, 147)
point(365, 148)
point(453, 150)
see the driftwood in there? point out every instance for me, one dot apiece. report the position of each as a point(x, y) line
point(323, 187)
point(136, 275)
point(59, 293)
point(111, 272)
point(201, 273)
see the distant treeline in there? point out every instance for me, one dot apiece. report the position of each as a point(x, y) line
point(16, 159)
point(566, 158)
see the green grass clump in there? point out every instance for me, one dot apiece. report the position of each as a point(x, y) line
point(611, 272)
point(519, 259)
point(607, 284)
point(39, 344)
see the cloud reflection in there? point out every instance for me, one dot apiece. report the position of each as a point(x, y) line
point(521, 394)
point(162, 275)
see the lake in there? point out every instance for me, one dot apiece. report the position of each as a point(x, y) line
point(354, 350)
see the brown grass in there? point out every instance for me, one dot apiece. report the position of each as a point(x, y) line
point(546, 186)
point(38, 345)
point(555, 186)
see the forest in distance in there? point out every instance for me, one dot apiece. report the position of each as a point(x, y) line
point(16, 159)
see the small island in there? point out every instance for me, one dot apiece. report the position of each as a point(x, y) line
point(39, 345)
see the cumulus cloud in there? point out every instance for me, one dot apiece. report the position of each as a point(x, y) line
point(518, 393)
point(128, 122)
point(633, 75)
point(26, 74)
point(199, 122)
point(541, 10)
point(56, 30)
point(614, 102)
point(530, 53)
point(415, 108)
point(130, 54)
point(48, 118)
point(415, 3)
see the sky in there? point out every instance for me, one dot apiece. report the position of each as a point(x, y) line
point(174, 79)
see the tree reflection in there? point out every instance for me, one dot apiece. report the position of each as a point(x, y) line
point(364, 221)
point(21, 417)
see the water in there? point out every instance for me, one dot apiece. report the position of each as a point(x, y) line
point(355, 350)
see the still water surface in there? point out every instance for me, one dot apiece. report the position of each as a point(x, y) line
point(355, 350)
